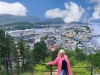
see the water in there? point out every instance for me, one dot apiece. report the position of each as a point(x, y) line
point(96, 30)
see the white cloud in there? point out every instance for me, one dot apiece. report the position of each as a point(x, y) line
point(16, 8)
point(96, 13)
point(72, 13)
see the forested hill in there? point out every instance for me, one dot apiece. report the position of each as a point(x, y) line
point(8, 19)
point(52, 21)
point(28, 25)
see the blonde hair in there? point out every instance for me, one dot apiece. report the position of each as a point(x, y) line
point(62, 51)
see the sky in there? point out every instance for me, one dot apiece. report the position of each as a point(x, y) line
point(68, 10)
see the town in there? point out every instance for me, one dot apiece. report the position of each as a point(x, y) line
point(69, 35)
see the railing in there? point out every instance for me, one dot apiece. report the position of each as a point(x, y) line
point(14, 68)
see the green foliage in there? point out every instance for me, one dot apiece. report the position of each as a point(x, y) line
point(23, 25)
point(2, 44)
point(97, 60)
point(7, 49)
point(51, 21)
point(7, 45)
point(83, 70)
point(70, 53)
point(80, 55)
point(2, 34)
point(48, 59)
point(44, 38)
point(78, 50)
point(23, 49)
point(39, 52)
point(94, 59)
point(73, 61)
point(40, 68)
point(83, 64)
point(91, 58)
point(18, 26)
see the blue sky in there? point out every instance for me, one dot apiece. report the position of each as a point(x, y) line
point(47, 8)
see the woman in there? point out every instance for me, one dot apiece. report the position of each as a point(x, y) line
point(63, 63)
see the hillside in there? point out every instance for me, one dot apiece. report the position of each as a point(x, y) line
point(51, 21)
point(28, 25)
point(8, 19)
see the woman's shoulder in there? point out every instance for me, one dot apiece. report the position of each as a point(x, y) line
point(65, 56)
point(58, 57)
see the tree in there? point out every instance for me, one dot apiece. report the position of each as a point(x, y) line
point(78, 50)
point(80, 55)
point(2, 44)
point(43, 38)
point(23, 49)
point(70, 53)
point(7, 48)
point(91, 58)
point(94, 59)
point(73, 60)
point(39, 51)
point(97, 59)
point(7, 45)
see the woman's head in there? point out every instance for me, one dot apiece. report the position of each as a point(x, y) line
point(61, 53)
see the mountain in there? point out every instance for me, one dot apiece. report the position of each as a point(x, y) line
point(51, 21)
point(17, 26)
point(18, 23)
point(95, 20)
point(27, 25)
point(8, 19)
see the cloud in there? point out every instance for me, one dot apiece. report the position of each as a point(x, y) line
point(96, 13)
point(72, 13)
point(16, 8)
